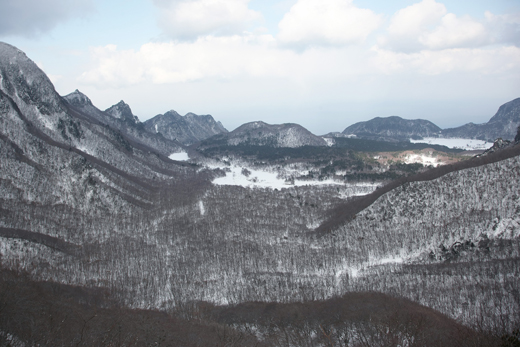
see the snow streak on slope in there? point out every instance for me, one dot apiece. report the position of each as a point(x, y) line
point(466, 144)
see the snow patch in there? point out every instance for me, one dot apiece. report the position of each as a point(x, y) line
point(330, 142)
point(180, 156)
point(466, 144)
point(201, 208)
point(422, 159)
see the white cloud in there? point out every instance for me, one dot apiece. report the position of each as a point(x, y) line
point(326, 22)
point(258, 57)
point(504, 28)
point(428, 25)
point(455, 32)
point(481, 61)
point(176, 62)
point(189, 19)
point(416, 18)
point(33, 17)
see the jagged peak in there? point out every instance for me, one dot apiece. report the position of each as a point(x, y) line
point(122, 110)
point(171, 113)
point(120, 106)
point(77, 98)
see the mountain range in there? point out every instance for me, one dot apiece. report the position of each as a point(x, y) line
point(187, 130)
point(106, 240)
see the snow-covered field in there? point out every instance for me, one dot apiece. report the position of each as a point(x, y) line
point(238, 176)
point(466, 144)
point(241, 175)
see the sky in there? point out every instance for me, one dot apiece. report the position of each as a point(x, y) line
point(324, 64)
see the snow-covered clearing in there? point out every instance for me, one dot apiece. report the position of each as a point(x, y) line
point(238, 175)
point(180, 156)
point(466, 144)
point(422, 159)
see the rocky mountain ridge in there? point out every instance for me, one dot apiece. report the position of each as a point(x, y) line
point(186, 129)
point(120, 119)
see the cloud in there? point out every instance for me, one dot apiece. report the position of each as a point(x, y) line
point(30, 18)
point(504, 28)
point(189, 19)
point(326, 22)
point(176, 62)
point(416, 18)
point(480, 61)
point(455, 32)
point(256, 58)
point(410, 23)
point(427, 25)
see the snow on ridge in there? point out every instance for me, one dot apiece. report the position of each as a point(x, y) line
point(466, 144)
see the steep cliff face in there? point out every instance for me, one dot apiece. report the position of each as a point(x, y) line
point(186, 129)
point(393, 129)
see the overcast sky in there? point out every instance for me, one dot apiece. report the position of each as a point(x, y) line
point(324, 64)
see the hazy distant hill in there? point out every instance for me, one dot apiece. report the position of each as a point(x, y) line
point(186, 129)
point(279, 135)
point(503, 124)
point(393, 129)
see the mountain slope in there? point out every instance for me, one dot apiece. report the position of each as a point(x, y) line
point(393, 129)
point(187, 130)
point(59, 161)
